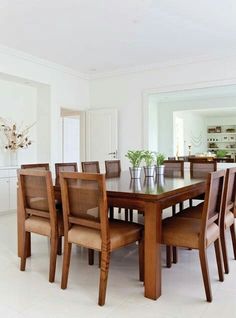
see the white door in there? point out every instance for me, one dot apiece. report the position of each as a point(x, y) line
point(101, 135)
point(71, 139)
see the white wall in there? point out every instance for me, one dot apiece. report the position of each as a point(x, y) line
point(18, 103)
point(67, 89)
point(126, 92)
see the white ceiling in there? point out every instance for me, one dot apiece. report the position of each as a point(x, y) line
point(105, 35)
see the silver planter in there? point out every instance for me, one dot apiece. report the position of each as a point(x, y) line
point(149, 171)
point(135, 173)
point(160, 169)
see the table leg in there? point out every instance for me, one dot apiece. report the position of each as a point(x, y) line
point(152, 250)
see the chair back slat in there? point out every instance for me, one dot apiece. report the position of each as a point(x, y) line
point(229, 197)
point(36, 166)
point(37, 194)
point(90, 166)
point(174, 168)
point(200, 169)
point(65, 166)
point(113, 168)
point(84, 201)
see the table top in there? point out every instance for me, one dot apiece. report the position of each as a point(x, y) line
point(151, 187)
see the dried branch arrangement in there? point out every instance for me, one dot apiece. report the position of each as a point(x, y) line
point(14, 138)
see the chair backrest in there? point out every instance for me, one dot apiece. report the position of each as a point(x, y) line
point(200, 169)
point(84, 201)
point(174, 168)
point(90, 166)
point(36, 166)
point(67, 166)
point(229, 196)
point(113, 168)
point(212, 208)
point(184, 158)
point(37, 195)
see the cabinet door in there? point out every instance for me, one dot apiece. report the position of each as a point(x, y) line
point(12, 193)
point(4, 194)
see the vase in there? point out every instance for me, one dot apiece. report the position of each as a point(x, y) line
point(160, 169)
point(135, 172)
point(149, 171)
point(13, 158)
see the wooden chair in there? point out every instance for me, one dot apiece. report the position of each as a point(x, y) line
point(113, 170)
point(174, 168)
point(66, 166)
point(200, 168)
point(37, 166)
point(86, 223)
point(200, 233)
point(36, 199)
point(228, 215)
point(90, 166)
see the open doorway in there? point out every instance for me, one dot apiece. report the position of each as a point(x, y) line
point(72, 135)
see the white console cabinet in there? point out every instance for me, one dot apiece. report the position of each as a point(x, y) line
point(8, 188)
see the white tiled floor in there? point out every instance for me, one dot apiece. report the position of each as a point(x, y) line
point(29, 294)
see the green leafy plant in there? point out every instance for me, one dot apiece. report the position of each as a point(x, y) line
point(160, 157)
point(148, 157)
point(221, 153)
point(135, 157)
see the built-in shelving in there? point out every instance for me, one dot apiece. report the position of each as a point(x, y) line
point(222, 138)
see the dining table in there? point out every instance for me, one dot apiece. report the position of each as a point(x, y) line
point(151, 195)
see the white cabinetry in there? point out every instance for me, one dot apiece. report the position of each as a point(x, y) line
point(222, 138)
point(8, 188)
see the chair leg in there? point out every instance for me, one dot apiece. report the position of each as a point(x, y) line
point(126, 215)
point(233, 236)
point(191, 203)
point(28, 244)
point(105, 260)
point(168, 256)
point(219, 260)
point(90, 256)
point(224, 251)
point(131, 215)
point(141, 260)
point(111, 213)
point(53, 259)
point(173, 210)
point(66, 264)
point(24, 251)
point(175, 254)
point(119, 210)
point(59, 245)
point(205, 273)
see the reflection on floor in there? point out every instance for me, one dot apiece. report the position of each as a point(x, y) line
point(29, 294)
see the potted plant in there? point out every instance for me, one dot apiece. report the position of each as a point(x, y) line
point(135, 157)
point(221, 153)
point(148, 157)
point(160, 158)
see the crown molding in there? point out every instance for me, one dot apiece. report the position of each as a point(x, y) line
point(156, 66)
point(33, 59)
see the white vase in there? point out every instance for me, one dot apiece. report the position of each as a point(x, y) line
point(13, 158)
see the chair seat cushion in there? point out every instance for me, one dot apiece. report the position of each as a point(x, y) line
point(185, 232)
point(41, 225)
point(121, 234)
point(229, 219)
point(192, 212)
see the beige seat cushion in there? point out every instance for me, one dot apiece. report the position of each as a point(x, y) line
point(192, 212)
point(121, 234)
point(229, 219)
point(40, 225)
point(185, 232)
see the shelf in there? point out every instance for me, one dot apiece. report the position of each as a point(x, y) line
point(228, 149)
point(222, 133)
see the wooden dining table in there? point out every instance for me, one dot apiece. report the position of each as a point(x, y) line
point(151, 196)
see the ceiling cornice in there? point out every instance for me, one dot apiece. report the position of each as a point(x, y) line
point(31, 58)
point(156, 66)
